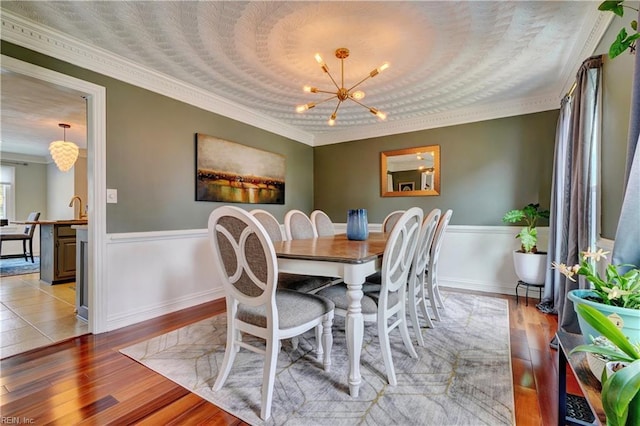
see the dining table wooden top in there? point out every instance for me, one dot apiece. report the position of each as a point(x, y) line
point(335, 248)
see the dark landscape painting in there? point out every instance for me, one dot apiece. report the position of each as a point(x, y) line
point(228, 172)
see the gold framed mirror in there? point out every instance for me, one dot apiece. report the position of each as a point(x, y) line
point(410, 172)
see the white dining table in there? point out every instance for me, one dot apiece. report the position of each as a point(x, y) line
point(337, 256)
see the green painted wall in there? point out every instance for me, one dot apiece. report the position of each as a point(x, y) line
point(31, 190)
point(151, 154)
point(487, 168)
point(616, 105)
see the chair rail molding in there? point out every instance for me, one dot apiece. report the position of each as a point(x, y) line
point(154, 273)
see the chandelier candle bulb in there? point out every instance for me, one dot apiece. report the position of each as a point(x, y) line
point(379, 69)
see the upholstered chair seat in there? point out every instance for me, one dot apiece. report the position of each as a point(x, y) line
point(247, 266)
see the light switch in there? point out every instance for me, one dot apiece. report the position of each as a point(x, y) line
point(112, 196)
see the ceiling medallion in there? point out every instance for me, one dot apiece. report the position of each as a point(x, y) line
point(341, 93)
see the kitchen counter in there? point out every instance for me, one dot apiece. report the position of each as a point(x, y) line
point(58, 249)
point(54, 222)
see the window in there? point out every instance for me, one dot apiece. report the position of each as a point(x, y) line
point(7, 192)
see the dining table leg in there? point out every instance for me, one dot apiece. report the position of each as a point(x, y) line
point(355, 331)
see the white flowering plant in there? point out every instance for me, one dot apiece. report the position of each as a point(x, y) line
point(615, 289)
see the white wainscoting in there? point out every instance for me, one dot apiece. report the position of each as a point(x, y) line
point(480, 258)
point(155, 273)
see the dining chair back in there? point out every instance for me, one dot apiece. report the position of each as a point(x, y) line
point(26, 236)
point(415, 294)
point(389, 222)
point(323, 224)
point(246, 263)
point(386, 301)
point(435, 299)
point(298, 226)
point(286, 281)
point(270, 223)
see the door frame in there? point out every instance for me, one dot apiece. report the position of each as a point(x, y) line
point(96, 179)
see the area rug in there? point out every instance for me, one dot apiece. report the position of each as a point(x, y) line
point(462, 376)
point(19, 266)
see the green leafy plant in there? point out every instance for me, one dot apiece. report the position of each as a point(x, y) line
point(623, 40)
point(621, 390)
point(615, 289)
point(529, 214)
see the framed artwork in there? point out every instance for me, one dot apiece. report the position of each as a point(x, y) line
point(229, 172)
point(405, 186)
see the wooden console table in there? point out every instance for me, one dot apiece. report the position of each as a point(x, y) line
point(589, 384)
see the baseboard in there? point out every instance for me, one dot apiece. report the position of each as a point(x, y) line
point(149, 312)
point(500, 288)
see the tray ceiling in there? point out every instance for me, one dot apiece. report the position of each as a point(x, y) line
point(451, 62)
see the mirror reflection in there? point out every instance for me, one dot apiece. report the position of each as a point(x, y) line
point(410, 172)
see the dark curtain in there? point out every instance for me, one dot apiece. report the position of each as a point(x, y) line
point(627, 245)
point(573, 206)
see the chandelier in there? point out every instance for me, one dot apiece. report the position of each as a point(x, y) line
point(341, 93)
point(64, 153)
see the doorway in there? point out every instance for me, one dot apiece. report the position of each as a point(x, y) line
point(96, 177)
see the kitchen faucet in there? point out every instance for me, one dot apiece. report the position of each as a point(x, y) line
point(80, 214)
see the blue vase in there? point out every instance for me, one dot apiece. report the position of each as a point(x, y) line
point(357, 226)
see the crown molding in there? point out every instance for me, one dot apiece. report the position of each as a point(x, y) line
point(585, 45)
point(450, 118)
point(44, 40)
point(12, 157)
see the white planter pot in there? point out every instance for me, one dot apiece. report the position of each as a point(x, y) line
point(530, 267)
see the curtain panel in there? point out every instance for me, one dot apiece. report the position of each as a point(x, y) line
point(572, 226)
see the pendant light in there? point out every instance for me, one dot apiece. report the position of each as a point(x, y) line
point(64, 153)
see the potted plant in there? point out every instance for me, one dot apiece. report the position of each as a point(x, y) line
point(623, 40)
point(530, 264)
point(616, 295)
point(620, 389)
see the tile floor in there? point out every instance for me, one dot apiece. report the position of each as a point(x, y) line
point(35, 314)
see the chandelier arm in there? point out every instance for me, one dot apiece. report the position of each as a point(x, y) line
point(380, 114)
point(360, 103)
point(325, 100)
point(325, 91)
point(334, 82)
point(359, 83)
point(335, 111)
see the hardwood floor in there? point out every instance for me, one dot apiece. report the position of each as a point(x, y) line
point(86, 380)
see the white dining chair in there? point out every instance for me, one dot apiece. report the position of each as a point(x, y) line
point(297, 282)
point(435, 299)
point(246, 262)
point(270, 223)
point(388, 300)
point(323, 224)
point(390, 220)
point(416, 295)
point(298, 226)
